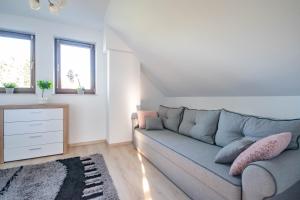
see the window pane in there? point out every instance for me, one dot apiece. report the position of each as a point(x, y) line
point(15, 56)
point(75, 61)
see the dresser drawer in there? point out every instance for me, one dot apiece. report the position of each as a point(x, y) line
point(14, 128)
point(12, 141)
point(11, 154)
point(24, 115)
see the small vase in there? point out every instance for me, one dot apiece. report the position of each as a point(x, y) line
point(80, 91)
point(43, 100)
point(9, 90)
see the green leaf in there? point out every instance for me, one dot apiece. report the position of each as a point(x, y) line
point(44, 84)
point(10, 85)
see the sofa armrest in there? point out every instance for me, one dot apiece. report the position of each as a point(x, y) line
point(273, 178)
point(134, 124)
point(134, 121)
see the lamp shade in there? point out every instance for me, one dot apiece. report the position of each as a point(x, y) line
point(34, 4)
point(53, 8)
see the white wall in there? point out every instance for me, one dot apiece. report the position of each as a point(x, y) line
point(277, 106)
point(87, 113)
point(151, 96)
point(123, 94)
point(123, 89)
point(113, 42)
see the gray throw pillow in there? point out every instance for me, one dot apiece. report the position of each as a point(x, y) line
point(153, 123)
point(171, 117)
point(231, 151)
point(200, 124)
point(230, 127)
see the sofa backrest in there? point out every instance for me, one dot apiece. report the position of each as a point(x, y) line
point(171, 117)
point(230, 127)
point(233, 126)
point(221, 127)
point(200, 124)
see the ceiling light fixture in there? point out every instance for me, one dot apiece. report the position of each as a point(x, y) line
point(34, 4)
point(54, 5)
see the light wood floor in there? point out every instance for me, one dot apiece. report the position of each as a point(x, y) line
point(135, 177)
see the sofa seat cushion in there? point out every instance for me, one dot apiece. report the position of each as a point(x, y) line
point(201, 153)
point(200, 124)
point(171, 117)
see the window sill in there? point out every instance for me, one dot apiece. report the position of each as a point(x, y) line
point(74, 94)
point(19, 91)
point(27, 93)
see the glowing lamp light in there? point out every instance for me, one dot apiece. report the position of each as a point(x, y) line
point(34, 4)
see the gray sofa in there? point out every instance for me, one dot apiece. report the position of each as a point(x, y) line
point(185, 151)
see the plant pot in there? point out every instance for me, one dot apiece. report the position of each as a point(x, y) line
point(43, 100)
point(9, 90)
point(80, 91)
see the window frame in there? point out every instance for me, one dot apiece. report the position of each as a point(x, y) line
point(31, 38)
point(57, 64)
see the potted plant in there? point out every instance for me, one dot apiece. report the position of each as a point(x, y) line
point(44, 85)
point(80, 90)
point(9, 87)
point(72, 76)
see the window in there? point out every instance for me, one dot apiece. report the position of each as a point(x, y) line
point(17, 61)
point(74, 66)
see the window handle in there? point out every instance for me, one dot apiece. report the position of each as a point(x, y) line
point(32, 64)
point(58, 71)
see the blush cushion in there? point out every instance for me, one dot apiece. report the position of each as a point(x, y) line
point(264, 149)
point(142, 115)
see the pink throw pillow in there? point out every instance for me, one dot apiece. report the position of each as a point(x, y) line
point(142, 115)
point(264, 149)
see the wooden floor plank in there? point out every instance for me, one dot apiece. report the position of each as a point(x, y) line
point(134, 176)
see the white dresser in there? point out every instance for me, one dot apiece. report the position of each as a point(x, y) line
point(30, 131)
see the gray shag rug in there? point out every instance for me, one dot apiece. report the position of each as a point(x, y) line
point(78, 178)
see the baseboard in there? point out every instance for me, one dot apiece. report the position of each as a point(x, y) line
point(118, 144)
point(86, 143)
point(99, 142)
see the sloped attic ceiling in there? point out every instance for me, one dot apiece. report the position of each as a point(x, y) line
point(214, 47)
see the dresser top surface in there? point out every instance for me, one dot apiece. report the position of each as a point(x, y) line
point(33, 106)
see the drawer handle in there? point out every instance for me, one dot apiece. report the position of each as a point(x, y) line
point(35, 149)
point(35, 112)
point(36, 124)
point(35, 136)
